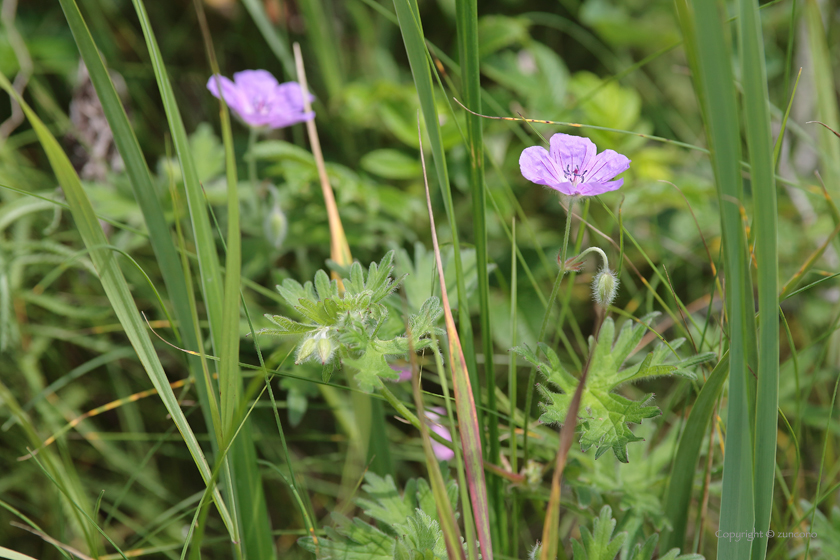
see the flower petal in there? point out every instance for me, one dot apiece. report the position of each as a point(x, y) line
point(607, 165)
point(594, 189)
point(538, 167)
point(292, 95)
point(572, 154)
point(284, 119)
point(232, 95)
point(255, 81)
point(442, 452)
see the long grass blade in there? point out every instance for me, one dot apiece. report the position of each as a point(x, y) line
point(116, 288)
point(714, 82)
point(823, 77)
point(411, 28)
point(251, 503)
point(681, 482)
point(145, 193)
point(759, 142)
point(467, 26)
point(465, 404)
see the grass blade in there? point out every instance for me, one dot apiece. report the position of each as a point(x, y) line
point(276, 42)
point(117, 289)
point(415, 47)
point(145, 193)
point(714, 82)
point(826, 97)
point(250, 496)
point(465, 403)
point(759, 143)
point(678, 494)
point(467, 26)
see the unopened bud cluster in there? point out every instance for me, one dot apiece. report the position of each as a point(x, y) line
point(318, 345)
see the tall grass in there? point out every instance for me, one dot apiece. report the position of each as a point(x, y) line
point(716, 460)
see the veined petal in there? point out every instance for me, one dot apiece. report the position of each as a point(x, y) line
point(289, 118)
point(538, 167)
point(232, 95)
point(596, 188)
point(607, 165)
point(571, 153)
point(292, 95)
point(442, 452)
point(567, 188)
point(255, 81)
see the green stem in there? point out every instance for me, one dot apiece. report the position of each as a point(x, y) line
point(532, 378)
point(252, 161)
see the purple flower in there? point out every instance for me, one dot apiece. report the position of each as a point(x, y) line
point(260, 101)
point(404, 372)
point(571, 166)
point(442, 452)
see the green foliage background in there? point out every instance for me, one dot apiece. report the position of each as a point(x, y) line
point(620, 67)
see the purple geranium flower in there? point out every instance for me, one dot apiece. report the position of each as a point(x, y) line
point(442, 452)
point(260, 101)
point(571, 166)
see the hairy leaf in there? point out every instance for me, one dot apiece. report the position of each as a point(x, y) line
point(604, 415)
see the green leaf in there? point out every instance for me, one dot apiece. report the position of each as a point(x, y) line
point(497, 32)
point(391, 164)
point(372, 365)
point(604, 415)
point(645, 552)
point(599, 544)
point(287, 326)
point(407, 525)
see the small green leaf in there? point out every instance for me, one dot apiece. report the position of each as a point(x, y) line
point(599, 544)
point(287, 326)
point(391, 164)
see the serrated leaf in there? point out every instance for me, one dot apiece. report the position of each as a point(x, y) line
point(322, 285)
point(287, 326)
point(313, 311)
point(291, 291)
point(599, 544)
point(408, 527)
point(357, 279)
point(604, 415)
point(608, 428)
point(371, 367)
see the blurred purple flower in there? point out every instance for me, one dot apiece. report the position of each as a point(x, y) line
point(442, 452)
point(571, 166)
point(260, 101)
point(404, 372)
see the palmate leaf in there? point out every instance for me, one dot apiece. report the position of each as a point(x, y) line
point(406, 525)
point(601, 544)
point(344, 327)
point(604, 415)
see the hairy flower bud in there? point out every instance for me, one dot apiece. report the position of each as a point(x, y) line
point(306, 348)
point(275, 226)
point(325, 348)
point(604, 287)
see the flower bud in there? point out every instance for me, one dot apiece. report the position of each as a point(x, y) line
point(275, 226)
point(306, 348)
point(325, 349)
point(604, 287)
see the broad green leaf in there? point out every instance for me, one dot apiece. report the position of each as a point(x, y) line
point(391, 164)
point(407, 525)
point(604, 415)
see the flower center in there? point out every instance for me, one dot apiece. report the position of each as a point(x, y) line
point(261, 105)
point(575, 175)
